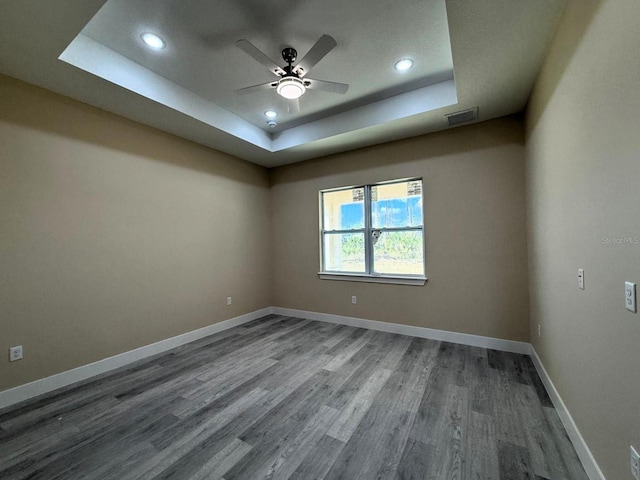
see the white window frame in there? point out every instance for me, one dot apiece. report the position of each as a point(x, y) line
point(369, 275)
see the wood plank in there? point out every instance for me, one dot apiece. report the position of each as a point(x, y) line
point(480, 387)
point(344, 426)
point(543, 452)
point(413, 373)
point(223, 461)
point(348, 352)
point(286, 459)
point(450, 436)
point(279, 430)
point(376, 447)
point(165, 459)
point(265, 400)
point(211, 391)
point(416, 460)
point(338, 336)
point(482, 448)
point(431, 404)
point(367, 443)
point(514, 462)
point(317, 463)
point(563, 445)
point(509, 426)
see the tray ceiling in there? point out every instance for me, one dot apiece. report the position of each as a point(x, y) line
point(92, 50)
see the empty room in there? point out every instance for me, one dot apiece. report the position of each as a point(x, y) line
point(319, 240)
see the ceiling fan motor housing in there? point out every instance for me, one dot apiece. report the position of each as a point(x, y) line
point(289, 54)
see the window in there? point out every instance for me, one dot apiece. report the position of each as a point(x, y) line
point(373, 232)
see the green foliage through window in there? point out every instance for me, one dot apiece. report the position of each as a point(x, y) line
point(374, 229)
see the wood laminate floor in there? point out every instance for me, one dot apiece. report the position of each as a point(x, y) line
point(287, 398)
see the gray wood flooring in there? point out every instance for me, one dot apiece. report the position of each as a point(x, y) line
point(287, 398)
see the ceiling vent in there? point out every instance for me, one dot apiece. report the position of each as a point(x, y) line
point(463, 116)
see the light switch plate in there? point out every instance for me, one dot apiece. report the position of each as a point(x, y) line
point(581, 278)
point(15, 353)
point(630, 296)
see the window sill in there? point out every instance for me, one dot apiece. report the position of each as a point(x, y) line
point(354, 277)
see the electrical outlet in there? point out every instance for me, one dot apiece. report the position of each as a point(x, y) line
point(630, 296)
point(539, 331)
point(354, 299)
point(15, 353)
point(581, 278)
point(228, 300)
point(635, 463)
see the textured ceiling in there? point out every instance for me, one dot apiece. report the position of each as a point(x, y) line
point(202, 57)
point(494, 47)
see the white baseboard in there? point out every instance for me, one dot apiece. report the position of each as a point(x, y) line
point(69, 377)
point(584, 454)
point(48, 384)
point(422, 332)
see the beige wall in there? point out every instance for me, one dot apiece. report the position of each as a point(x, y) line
point(475, 232)
point(583, 171)
point(115, 235)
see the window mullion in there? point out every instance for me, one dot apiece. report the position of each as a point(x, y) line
point(322, 231)
point(351, 230)
point(368, 247)
point(399, 229)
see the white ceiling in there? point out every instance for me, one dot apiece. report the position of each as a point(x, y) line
point(493, 49)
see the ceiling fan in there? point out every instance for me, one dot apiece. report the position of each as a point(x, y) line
point(292, 83)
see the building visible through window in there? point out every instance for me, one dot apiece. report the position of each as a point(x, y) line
point(373, 230)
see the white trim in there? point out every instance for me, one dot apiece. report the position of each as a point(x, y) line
point(48, 384)
point(584, 454)
point(422, 332)
point(354, 277)
point(63, 379)
point(93, 57)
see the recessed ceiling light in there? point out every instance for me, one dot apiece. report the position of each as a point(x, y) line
point(270, 114)
point(404, 64)
point(153, 41)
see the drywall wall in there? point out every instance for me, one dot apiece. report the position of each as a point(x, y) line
point(474, 222)
point(115, 235)
point(583, 177)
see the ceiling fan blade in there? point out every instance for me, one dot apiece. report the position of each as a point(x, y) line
point(294, 105)
point(323, 46)
point(250, 49)
point(326, 86)
point(256, 88)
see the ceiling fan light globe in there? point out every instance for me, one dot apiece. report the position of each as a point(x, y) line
point(291, 88)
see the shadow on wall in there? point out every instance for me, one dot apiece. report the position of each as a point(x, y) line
point(477, 136)
point(557, 64)
point(52, 113)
